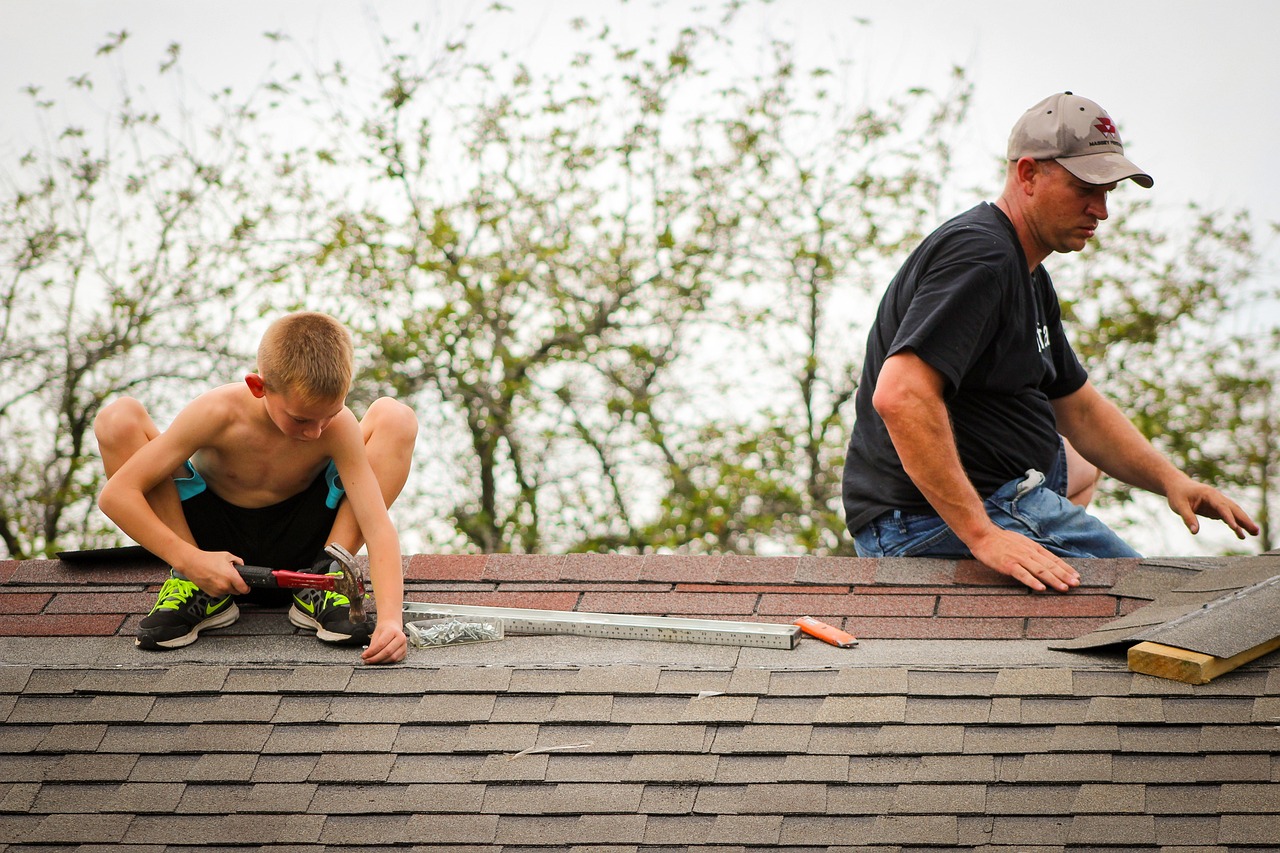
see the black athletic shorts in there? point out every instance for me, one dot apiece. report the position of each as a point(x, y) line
point(288, 535)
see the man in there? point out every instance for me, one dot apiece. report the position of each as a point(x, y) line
point(969, 384)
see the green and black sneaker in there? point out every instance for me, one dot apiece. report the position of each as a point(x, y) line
point(181, 613)
point(326, 612)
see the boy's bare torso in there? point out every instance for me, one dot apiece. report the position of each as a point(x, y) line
point(246, 460)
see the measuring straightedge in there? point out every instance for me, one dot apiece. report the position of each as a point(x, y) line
point(616, 626)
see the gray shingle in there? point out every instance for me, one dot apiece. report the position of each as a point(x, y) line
point(1065, 768)
point(677, 829)
point(735, 769)
point(78, 828)
point(939, 799)
point(1040, 711)
point(660, 738)
point(954, 768)
point(713, 709)
point(754, 829)
point(93, 797)
point(1175, 739)
point(284, 768)
point(863, 709)
point(507, 768)
point(1095, 738)
point(787, 709)
point(688, 682)
point(560, 798)
point(1019, 831)
point(1034, 681)
point(733, 739)
point(260, 798)
point(928, 709)
point(951, 683)
point(1107, 799)
point(340, 737)
point(1221, 710)
point(347, 831)
point(1240, 739)
point(918, 740)
point(85, 737)
point(439, 768)
point(1016, 799)
point(668, 768)
point(1247, 829)
point(648, 709)
point(428, 798)
point(366, 710)
point(190, 679)
point(114, 767)
point(1188, 834)
point(825, 830)
point(216, 767)
point(201, 709)
point(581, 708)
point(995, 740)
point(507, 707)
point(668, 799)
point(1112, 829)
point(1182, 799)
point(352, 767)
point(784, 798)
point(1125, 709)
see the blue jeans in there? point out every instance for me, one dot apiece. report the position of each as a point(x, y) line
point(1032, 505)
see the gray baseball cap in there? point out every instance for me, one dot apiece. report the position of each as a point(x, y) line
point(1079, 135)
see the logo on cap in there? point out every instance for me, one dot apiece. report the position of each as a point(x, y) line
point(1106, 127)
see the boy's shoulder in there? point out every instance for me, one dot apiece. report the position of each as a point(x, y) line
point(224, 401)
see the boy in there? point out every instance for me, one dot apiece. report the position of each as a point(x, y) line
point(266, 473)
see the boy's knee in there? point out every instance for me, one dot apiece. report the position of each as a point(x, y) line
point(392, 421)
point(120, 420)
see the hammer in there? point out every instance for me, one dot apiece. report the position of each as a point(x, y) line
point(350, 583)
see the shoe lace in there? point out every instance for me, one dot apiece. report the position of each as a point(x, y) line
point(174, 594)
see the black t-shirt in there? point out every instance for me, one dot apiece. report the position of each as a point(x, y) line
point(965, 303)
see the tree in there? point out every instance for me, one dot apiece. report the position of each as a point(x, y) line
point(1167, 321)
point(125, 250)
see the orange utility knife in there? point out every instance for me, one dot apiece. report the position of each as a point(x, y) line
point(827, 633)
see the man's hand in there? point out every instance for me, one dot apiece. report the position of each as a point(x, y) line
point(388, 644)
point(1018, 557)
point(215, 573)
point(1189, 499)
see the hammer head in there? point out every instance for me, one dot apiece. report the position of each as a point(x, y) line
point(351, 584)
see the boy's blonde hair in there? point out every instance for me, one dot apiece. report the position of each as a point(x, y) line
point(307, 353)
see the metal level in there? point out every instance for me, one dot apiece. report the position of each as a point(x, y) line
point(616, 626)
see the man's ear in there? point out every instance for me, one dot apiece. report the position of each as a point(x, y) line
point(257, 387)
point(1028, 170)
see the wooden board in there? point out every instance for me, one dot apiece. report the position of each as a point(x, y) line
point(1190, 667)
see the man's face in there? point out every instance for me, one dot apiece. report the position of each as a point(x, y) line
point(298, 418)
point(1065, 211)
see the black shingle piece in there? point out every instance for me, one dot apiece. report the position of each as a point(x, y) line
point(1227, 626)
point(1219, 612)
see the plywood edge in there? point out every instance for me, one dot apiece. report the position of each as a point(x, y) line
point(1190, 667)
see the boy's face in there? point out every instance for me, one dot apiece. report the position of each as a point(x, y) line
point(293, 414)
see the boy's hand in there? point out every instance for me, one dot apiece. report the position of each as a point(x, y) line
point(388, 644)
point(215, 573)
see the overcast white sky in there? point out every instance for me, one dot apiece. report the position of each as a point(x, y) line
point(1192, 85)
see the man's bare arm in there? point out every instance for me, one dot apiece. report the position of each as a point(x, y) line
point(1103, 435)
point(909, 399)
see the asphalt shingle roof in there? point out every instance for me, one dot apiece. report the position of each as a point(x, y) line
point(951, 725)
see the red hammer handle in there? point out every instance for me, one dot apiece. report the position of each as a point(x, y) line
point(264, 578)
